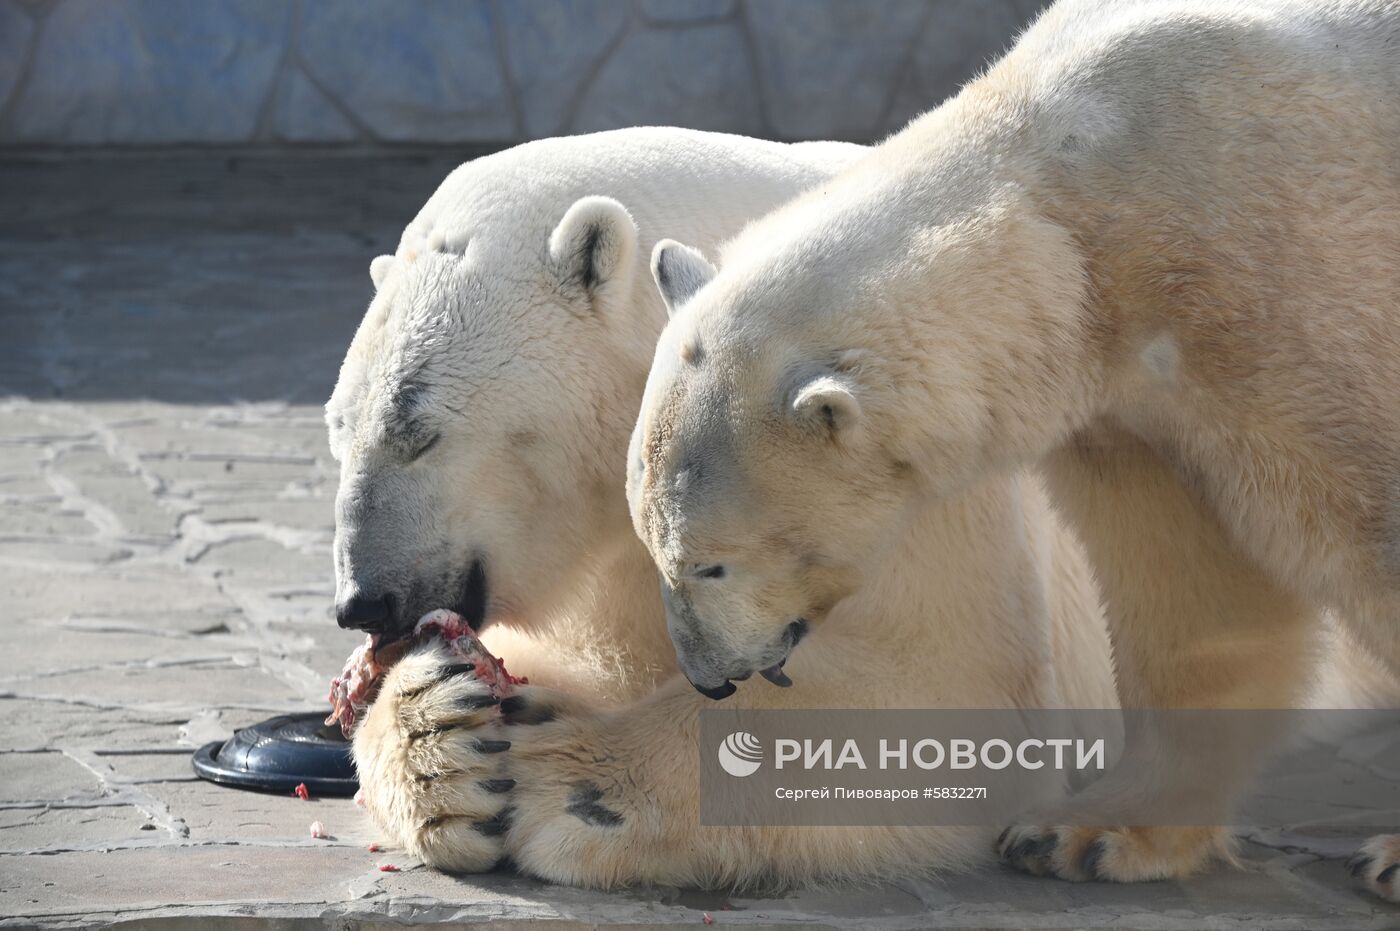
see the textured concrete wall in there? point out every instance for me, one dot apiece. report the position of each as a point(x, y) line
point(284, 72)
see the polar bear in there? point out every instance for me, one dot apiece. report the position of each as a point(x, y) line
point(481, 421)
point(1155, 251)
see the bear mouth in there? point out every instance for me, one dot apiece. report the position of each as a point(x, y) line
point(792, 635)
point(356, 687)
point(470, 607)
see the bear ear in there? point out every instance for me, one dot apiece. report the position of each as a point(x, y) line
point(594, 245)
point(379, 268)
point(679, 271)
point(828, 402)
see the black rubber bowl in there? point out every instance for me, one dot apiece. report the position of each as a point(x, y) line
point(281, 753)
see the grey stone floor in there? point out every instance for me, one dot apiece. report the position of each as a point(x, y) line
point(169, 328)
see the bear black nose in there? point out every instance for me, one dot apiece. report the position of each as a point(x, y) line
point(369, 613)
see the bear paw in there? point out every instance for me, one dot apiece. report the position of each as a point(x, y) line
point(431, 756)
point(1377, 864)
point(1112, 854)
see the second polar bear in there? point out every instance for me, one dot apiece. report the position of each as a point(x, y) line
point(1155, 249)
point(481, 423)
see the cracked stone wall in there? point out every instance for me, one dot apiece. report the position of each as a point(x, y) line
point(488, 72)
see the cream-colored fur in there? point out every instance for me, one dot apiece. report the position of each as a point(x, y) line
point(1156, 252)
point(951, 637)
point(984, 602)
point(483, 334)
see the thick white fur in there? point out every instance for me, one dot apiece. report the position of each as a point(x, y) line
point(532, 377)
point(533, 383)
point(1156, 251)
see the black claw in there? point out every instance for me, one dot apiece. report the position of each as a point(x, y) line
point(498, 785)
point(446, 672)
point(1032, 849)
point(1045, 846)
point(491, 746)
point(1387, 873)
point(477, 702)
point(493, 828)
point(456, 669)
point(497, 825)
point(1092, 856)
point(1359, 864)
point(519, 710)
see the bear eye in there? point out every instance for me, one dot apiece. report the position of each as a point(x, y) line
point(418, 454)
point(709, 572)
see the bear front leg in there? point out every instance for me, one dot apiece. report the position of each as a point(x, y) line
point(430, 756)
point(599, 799)
point(441, 759)
point(1194, 624)
point(610, 798)
point(613, 799)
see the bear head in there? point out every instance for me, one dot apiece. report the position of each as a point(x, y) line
point(840, 373)
point(481, 412)
point(749, 453)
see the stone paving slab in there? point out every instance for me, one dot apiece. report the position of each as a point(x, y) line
point(170, 330)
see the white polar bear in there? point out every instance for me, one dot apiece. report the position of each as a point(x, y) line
point(1156, 251)
point(482, 411)
point(481, 422)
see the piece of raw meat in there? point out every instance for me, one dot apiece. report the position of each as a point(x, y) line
point(354, 689)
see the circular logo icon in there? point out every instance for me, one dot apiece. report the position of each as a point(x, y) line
point(740, 754)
